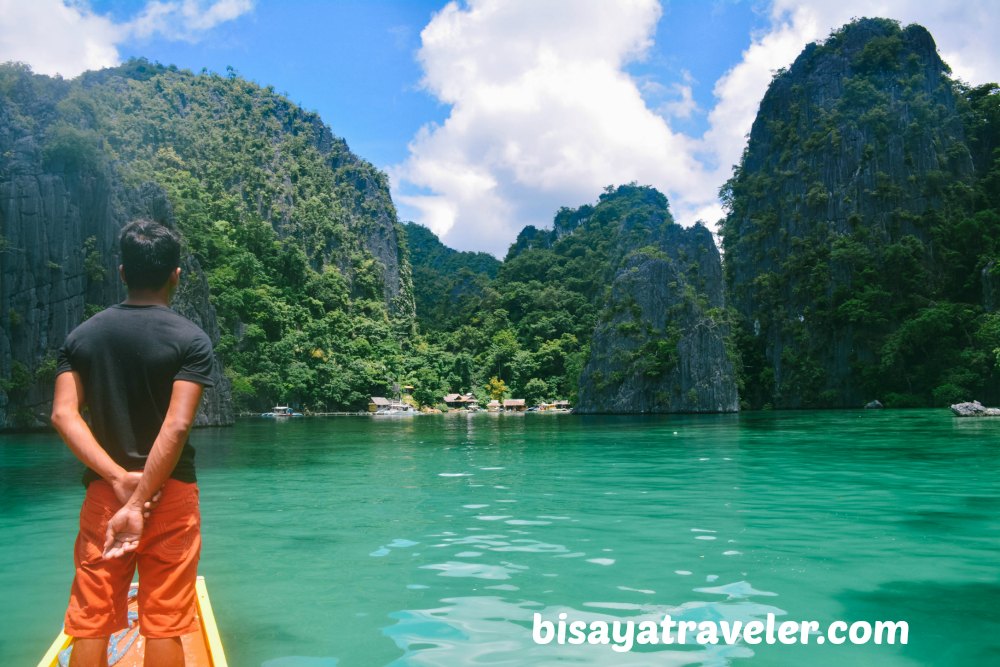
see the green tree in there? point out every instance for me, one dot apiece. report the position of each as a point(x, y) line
point(536, 391)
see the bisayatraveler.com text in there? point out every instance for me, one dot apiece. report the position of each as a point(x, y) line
point(623, 635)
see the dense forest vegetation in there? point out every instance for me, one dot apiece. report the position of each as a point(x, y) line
point(528, 330)
point(860, 243)
point(295, 234)
point(277, 211)
point(308, 270)
point(447, 284)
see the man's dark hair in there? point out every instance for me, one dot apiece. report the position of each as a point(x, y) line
point(150, 253)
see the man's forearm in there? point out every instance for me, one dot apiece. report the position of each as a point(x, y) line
point(161, 462)
point(75, 432)
point(78, 437)
point(169, 443)
point(126, 526)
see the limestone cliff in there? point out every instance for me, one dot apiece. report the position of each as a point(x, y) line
point(58, 265)
point(658, 331)
point(661, 342)
point(285, 228)
point(837, 230)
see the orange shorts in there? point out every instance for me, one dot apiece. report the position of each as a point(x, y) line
point(167, 560)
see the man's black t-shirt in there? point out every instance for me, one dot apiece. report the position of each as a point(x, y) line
point(128, 358)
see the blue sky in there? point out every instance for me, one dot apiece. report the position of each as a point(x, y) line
point(490, 115)
point(353, 61)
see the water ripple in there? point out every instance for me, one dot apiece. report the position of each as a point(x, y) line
point(481, 630)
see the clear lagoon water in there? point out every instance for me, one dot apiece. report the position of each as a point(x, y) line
point(432, 540)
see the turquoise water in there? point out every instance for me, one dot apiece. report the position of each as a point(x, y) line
point(432, 540)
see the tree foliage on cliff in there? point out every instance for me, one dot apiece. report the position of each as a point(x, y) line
point(287, 223)
point(859, 225)
point(308, 271)
point(447, 284)
point(532, 326)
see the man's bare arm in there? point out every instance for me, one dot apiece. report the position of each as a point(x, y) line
point(68, 421)
point(126, 525)
point(184, 400)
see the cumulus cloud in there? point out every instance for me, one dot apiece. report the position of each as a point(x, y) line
point(683, 106)
point(187, 19)
point(67, 38)
point(544, 114)
point(55, 38)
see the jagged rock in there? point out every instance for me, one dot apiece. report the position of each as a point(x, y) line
point(974, 409)
point(661, 346)
point(848, 155)
point(58, 265)
point(874, 405)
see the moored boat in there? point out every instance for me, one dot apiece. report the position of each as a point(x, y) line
point(202, 648)
point(396, 411)
point(281, 411)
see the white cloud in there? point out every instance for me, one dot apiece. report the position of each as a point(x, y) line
point(68, 38)
point(185, 19)
point(682, 108)
point(543, 114)
point(55, 38)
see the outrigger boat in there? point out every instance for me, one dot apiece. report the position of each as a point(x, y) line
point(125, 649)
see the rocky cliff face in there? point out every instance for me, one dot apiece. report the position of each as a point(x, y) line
point(661, 343)
point(59, 224)
point(374, 220)
point(284, 223)
point(43, 280)
point(59, 266)
point(852, 164)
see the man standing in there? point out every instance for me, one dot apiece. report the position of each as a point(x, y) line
point(139, 369)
